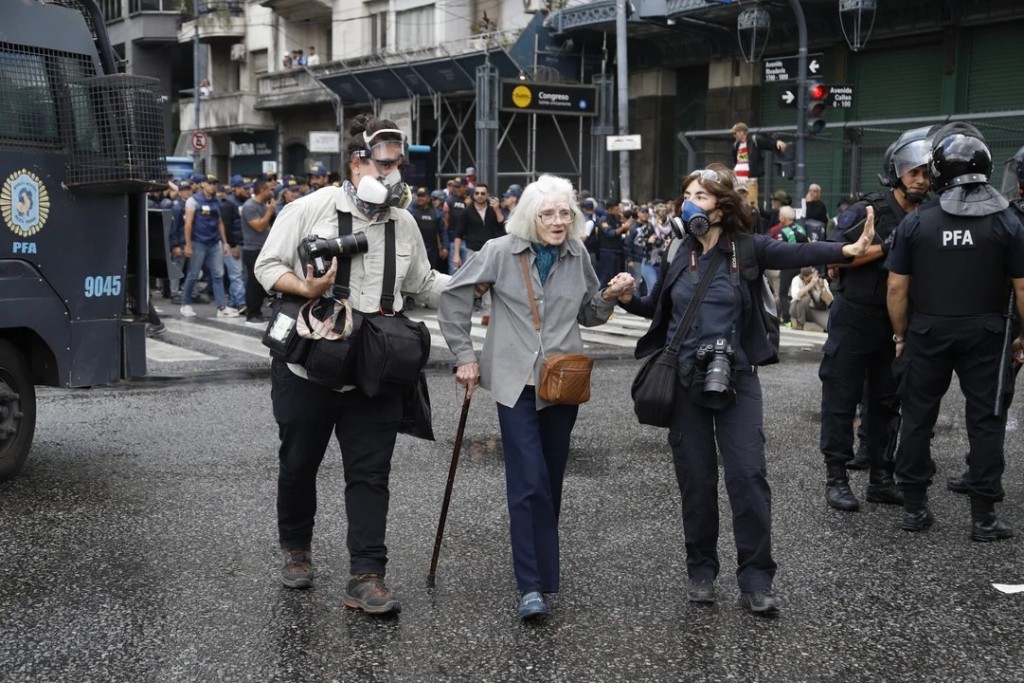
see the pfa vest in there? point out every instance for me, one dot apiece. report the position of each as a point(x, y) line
point(958, 265)
point(206, 220)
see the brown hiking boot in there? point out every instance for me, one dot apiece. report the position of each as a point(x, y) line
point(297, 571)
point(368, 593)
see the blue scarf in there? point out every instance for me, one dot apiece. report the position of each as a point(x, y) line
point(546, 257)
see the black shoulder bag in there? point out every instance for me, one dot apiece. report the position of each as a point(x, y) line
point(654, 387)
point(391, 349)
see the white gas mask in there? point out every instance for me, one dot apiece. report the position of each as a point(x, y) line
point(386, 157)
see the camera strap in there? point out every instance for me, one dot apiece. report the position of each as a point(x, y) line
point(691, 309)
point(387, 292)
point(340, 291)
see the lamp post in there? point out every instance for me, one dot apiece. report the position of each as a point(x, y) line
point(801, 98)
point(753, 27)
point(854, 16)
point(622, 77)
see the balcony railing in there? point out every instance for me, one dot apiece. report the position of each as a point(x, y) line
point(300, 10)
point(224, 113)
point(215, 26)
point(290, 88)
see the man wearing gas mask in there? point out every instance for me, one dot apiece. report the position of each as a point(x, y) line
point(857, 357)
point(307, 413)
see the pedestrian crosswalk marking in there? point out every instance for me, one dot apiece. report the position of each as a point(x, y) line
point(162, 352)
point(214, 335)
point(621, 333)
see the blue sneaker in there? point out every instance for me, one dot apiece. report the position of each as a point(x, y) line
point(532, 605)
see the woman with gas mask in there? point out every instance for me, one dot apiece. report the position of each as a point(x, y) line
point(718, 264)
point(366, 209)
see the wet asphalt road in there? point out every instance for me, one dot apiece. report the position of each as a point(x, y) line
point(139, 544)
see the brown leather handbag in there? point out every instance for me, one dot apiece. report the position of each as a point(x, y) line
point(564, 377)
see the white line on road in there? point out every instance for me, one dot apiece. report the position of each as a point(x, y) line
point(162, 352)
point(213, 335)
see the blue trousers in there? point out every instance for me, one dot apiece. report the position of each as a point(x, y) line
point(211, 255)
point(697, 435)
point(536, 446)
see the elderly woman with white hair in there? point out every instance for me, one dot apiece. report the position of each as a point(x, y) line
point(546, 227)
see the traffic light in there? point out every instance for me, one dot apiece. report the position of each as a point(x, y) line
point(817, 101)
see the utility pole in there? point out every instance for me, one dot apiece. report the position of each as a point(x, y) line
point(622, 80)
point(196, 79)
point(801, 99)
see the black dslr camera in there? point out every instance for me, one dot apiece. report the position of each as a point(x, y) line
point(716, 359)
point(319, 251)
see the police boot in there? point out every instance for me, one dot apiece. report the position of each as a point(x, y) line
point(985, 526)
point(861, 460)
point(837, 490)
point(957, 484)
point(916, 515)
point(882, 488)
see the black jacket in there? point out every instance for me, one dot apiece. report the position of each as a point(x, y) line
point(756, 143)
point(768, 253)
point(474, 231)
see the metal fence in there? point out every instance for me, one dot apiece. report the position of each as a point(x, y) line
point(847, 157)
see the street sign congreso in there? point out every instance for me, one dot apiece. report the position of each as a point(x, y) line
point(548, 98)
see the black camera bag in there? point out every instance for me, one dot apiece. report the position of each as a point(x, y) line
point(281, 335)
point(392, 349)
point(654, 387)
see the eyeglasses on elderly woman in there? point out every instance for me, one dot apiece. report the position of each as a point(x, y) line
point(549, 217)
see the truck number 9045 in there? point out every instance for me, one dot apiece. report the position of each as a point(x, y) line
point(102, 285)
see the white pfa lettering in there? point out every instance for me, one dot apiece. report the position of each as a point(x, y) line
point(961, 238)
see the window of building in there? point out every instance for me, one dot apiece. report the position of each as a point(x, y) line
point(259, 61)
point(136, 6)
point(111, 9)
point(414, 28)
point(379, 31)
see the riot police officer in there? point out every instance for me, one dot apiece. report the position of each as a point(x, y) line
point(857, 357)
point(967, 235)
point(958, 483)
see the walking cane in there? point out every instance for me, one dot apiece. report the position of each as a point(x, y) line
point(448, 490)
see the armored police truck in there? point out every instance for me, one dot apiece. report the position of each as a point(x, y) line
point(80, 144)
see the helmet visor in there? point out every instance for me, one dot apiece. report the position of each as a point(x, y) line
point(910, 156)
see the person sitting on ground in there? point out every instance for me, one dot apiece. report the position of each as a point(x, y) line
point(810, 298)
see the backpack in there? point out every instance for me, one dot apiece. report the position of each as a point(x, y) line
point(761, 295)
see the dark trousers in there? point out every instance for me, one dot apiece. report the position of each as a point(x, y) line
point(536, 447)
point(609, 264)
point(254, 292)
point(696, 436)
point(785, 281)
point(856, 365)
point(935, 348)
point(366, 429)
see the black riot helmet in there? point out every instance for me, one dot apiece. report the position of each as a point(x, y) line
point(959, 157)
point(909, 151)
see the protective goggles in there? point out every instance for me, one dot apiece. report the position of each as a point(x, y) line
point(708, 174)
point(911, 155)
point(385, 151)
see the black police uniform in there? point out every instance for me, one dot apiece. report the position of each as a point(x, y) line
point(857, 357)
point(430, 221)
point(960, 268)
point(609, 248)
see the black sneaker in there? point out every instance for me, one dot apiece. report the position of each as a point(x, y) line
point(761, 603)
point(369, 593)
point(297, 571)
point(256, 321)
point(155, 330)
point(917, 520)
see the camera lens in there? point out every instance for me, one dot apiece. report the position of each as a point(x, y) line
point(716, 377)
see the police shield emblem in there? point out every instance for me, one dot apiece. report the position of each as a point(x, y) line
point(25, 203)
